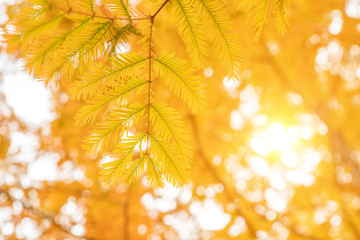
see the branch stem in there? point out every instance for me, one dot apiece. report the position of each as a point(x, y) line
point(161, 7)
point(149, 88)
point(93, 15)
point(152, 19)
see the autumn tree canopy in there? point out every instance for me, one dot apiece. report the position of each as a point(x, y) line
point(182, 119)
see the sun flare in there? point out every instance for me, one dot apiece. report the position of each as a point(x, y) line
point(275, 138)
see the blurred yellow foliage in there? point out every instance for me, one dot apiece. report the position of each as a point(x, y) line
point(244, 116)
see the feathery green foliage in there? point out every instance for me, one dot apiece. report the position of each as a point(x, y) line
point(78, 41)
point(257, 12)
point(154, 174)
point(90, 46)
point(176, 170)
point(127, 64)
point(114, 126)
point(119, 7)
point(220, 30)
point(167, 123)
point(41, 55)
point(190, 31)
point(280, 11)
point(112, 171)
point(135, 169)
point(177, 74)
point(112, 98)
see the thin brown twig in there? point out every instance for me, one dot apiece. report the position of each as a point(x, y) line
point(149, 89)
point(152, 19)
point(69, 11)
point(161, 7)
